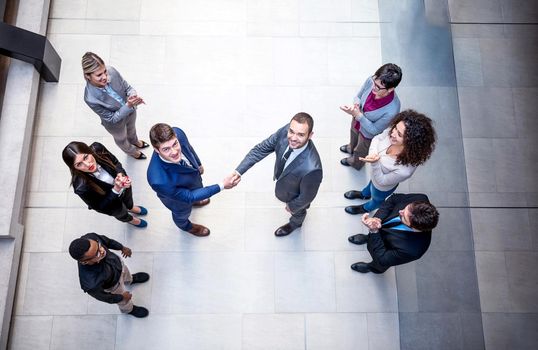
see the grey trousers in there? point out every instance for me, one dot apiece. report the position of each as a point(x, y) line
point(124, 134)
point(119, 288)
point(358, 146)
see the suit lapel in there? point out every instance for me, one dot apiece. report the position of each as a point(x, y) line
point(297, 161)
point(101, 95)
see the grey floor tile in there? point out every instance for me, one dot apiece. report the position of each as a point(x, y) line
point(83, 332)
point(511, 164)
point(493, 282)
point(262, 223)
point(53, 277)
point(496, 199)
point(296, 273)
point(510, 331)
point(448, 156)
point(523, 280)
point(533, 223)
point(467, 60)
point(78, 222)
point(337, 331)
point(425, 331)
point(179, 332)
point(44, 229)
point(453, 231)
point(383, 331)
point(31, 332)
point(479, 162)
point(493, 229)
point(216, 282)
point(446, 282)
point(406, 284)
point(356, 292)
point(328, 229)
point(487, 106)
point(475, 11)
point(273, 331)
point(524, 104)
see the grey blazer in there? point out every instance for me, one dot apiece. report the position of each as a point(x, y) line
point(299, 182)
point(107, 108)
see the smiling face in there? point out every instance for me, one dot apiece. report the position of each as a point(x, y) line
point(405, 215)
point(397, 134)
point(85, 162)
point(298, 134)
point(98, 78)
point(94, 254)
point(170, 150)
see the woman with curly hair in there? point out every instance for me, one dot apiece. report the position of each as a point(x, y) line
point(394, 155)
point(99, 179)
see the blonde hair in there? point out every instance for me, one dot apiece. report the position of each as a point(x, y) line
point(90, 63)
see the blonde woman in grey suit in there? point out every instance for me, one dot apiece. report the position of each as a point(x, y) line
point(114, 101)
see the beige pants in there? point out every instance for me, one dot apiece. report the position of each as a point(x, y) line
point(124, 134)
point(119, 288)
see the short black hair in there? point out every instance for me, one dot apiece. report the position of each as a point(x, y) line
point(78, 248)
point(389, 74)
point(424, 216)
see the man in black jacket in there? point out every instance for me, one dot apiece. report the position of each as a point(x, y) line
point(399, 232)
point(103, 275)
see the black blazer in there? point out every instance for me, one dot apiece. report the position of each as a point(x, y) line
point(390, 247)
point(109, 202)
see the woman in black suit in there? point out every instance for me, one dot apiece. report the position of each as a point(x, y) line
point(100, 180)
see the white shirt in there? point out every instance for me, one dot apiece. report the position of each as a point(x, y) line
point(103, 175)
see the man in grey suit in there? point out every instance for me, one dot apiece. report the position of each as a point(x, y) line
point(297, 171)
point(114, 101)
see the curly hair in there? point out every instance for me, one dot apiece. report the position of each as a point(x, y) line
point(419, 137)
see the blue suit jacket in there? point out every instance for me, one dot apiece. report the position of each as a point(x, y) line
point(178, 186)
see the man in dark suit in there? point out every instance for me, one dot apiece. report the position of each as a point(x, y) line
point(297, 171)
point(400, 232)
point(175, 171)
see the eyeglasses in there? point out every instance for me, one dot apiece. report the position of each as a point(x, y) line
point(378, 87)
point(98, 255)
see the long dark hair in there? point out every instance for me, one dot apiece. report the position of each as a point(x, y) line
point(70, 152)
point(419, 137)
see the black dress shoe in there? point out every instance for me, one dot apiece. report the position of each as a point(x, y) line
point(140, 277)
point(358, 239)
point(361, 267)
point(140, 156)
point(344, 149)
point(144, 144)
point(344, 162)
point(355, 209)
point(285, 230)
point(139, 311)
point(355, 195)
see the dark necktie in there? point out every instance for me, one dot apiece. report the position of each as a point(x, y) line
point(282, 163)
point(184, 163)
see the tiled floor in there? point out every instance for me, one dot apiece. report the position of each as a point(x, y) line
point(230, 73)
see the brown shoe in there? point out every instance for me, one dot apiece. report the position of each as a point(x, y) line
point(201, 203)
point(199, 230)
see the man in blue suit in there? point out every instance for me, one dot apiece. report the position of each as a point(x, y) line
point(175, 171)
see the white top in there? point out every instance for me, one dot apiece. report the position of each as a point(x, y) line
point(385, 173)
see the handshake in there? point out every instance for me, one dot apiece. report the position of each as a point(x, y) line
point(232, 180)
